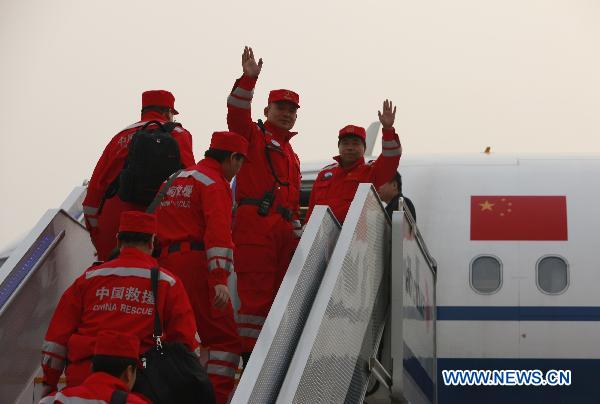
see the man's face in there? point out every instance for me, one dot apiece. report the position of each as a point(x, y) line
point(282, 114)
point(351, 149)
point(130, 375)
point(388, 190)
point(171, 116)
point(232, 166)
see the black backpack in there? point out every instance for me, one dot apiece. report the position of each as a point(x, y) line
point(119, 397)
point(153, 155)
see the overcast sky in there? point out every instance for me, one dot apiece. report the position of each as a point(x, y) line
point(518, 75)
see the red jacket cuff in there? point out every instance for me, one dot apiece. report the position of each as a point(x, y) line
point(389, 134)
point(218, 277)
point(246, 82)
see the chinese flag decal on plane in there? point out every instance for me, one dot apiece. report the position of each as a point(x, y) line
point(537, 218)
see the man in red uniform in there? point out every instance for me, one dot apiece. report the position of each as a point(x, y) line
point(195, 235)
point(267, 193)
point(101, 209)
point(116, 295)
point(114, 371)
point(336, 184)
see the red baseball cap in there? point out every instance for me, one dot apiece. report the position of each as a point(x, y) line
point(284, 95)
point(353, 130)
point(159, 98)
point(229, 141)
point(138, 222)
point(113, 343)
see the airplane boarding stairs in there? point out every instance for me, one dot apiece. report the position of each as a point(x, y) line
point(32, 279)
point(320, 342)
point(355, 313)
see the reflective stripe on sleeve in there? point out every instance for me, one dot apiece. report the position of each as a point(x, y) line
point(223, 356)
point(248, 332)
point(240, 92)
point(236, 102)
point(250, 319)
point(216, 263)
point(92, 221)
point(122, 271)
point(392, 152)
point(220, 370)
point(198, 176)
point(296, 224)
point(60, 397)
point(220, 252)
point(90, 210)
point(390, 144)
point(53, 347)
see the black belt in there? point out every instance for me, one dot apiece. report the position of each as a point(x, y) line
point(194, 245)
point(284, 212)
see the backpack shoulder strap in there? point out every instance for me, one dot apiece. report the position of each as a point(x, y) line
point(261, 125)
point(170, 126)
point(157, 123)
point(154, 275)
point(119, 397)
point(162, 192)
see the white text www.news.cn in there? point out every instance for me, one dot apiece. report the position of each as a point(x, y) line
point(508, 377)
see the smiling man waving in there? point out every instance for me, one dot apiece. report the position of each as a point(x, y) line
point(336, 184)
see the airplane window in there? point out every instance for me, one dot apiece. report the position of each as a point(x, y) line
point(486, 274)
point(552, 274)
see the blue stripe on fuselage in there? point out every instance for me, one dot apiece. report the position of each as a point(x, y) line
point(519, 313)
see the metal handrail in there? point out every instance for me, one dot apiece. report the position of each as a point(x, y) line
point(40, 260)
point(432, 263)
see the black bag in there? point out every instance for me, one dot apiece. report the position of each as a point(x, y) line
point(119, 397)
point(153, 155)
point(171, 374)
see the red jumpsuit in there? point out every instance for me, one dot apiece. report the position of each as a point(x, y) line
point(335, 186)
point(98, 387)
point(116, 295)
point(194, 221)
point(264, 244)
point(104, 223)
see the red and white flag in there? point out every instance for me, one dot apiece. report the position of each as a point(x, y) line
point(509, 217)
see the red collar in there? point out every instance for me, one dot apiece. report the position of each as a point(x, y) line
point(132, 253)
point(279, 134)
point(213, 165)
point(104, 379)
point(153, 116)
point(359, 162)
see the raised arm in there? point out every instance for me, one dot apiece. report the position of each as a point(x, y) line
point(386, 165)
point(239, 117)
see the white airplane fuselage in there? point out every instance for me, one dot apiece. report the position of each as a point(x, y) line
point(521, 324)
